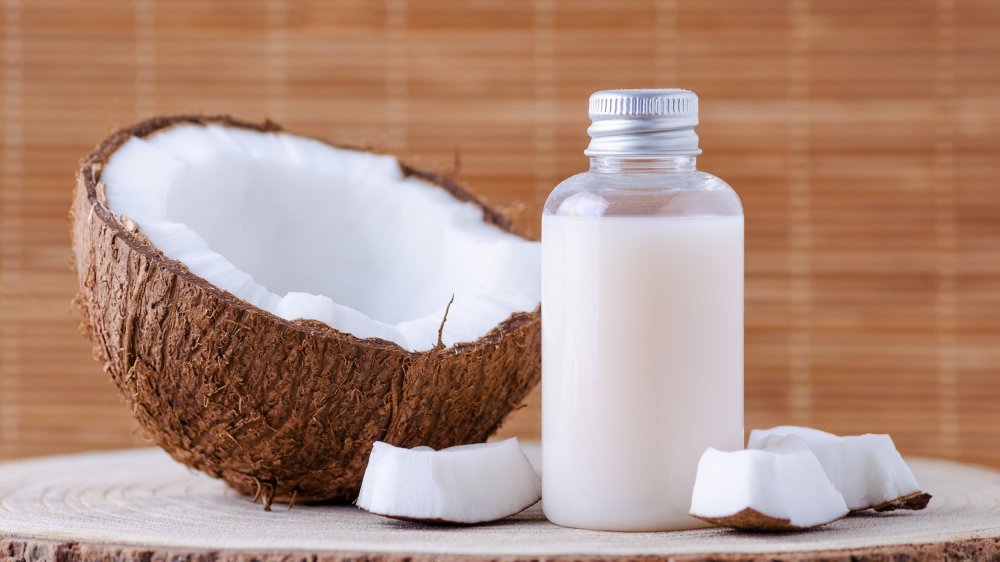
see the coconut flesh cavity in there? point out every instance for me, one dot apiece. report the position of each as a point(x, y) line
point(305, 230)
point(779, 489)
point(465, 484)
point(867, 469)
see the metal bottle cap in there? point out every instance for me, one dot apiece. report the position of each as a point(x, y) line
point(643, 123)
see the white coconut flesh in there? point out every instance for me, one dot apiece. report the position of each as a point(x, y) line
point(867, 469)
point(466, 484)
point(305, 230)
point(784, 483)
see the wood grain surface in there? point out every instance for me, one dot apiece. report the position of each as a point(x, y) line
point(139, 504)
point(864, 138)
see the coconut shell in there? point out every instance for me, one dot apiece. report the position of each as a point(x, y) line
point(750, 519)
point(914, 501)
point(445, 522)
point(277, 409)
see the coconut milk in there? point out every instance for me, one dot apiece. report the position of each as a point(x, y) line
point(642, 363)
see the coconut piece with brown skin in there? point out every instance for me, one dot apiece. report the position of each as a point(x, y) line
point(867, 469)
point(270, 305)
point(462, 485)
point(783, 488)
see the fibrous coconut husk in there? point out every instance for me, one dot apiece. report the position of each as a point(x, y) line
point(914, 501)
point(273, 407)
point(750, 519)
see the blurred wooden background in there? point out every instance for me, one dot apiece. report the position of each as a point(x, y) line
point(863, 136)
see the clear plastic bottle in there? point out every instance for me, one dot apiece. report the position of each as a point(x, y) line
point(642, 319)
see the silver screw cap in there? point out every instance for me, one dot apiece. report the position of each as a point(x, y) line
point(643, 123)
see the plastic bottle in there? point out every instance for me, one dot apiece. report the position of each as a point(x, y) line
point(642, 319)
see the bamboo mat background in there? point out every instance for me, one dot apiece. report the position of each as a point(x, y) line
point(863, 136)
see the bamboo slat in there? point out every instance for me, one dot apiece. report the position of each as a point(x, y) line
point(863, 137)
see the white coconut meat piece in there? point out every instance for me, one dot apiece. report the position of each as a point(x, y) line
point(465, 484)
point(305, 230)
point(782, 488)
point(867, 469)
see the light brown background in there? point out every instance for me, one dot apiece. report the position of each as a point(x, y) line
point(863, 136)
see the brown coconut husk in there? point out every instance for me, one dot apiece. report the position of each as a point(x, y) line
point(277, 408)
point(444, 522)
point(750, 519)
point(915, 501)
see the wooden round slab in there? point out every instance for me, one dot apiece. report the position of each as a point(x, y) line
point(139, 504)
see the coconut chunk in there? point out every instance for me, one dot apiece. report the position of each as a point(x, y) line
point(782, 488)
point(867, 469)
point(465, 484)
point(306, 230)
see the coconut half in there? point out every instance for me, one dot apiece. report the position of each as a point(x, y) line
point(467, 484)
point(783, 488)
point(867, 469)
point(270, 305)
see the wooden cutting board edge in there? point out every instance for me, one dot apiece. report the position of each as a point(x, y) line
point(40, 549)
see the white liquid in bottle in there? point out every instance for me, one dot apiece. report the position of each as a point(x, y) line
point(642, 320)
point(643, 364)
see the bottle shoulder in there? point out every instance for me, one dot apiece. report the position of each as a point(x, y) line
point(687, 193)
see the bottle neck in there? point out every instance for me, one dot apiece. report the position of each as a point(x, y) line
point(641, 164)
